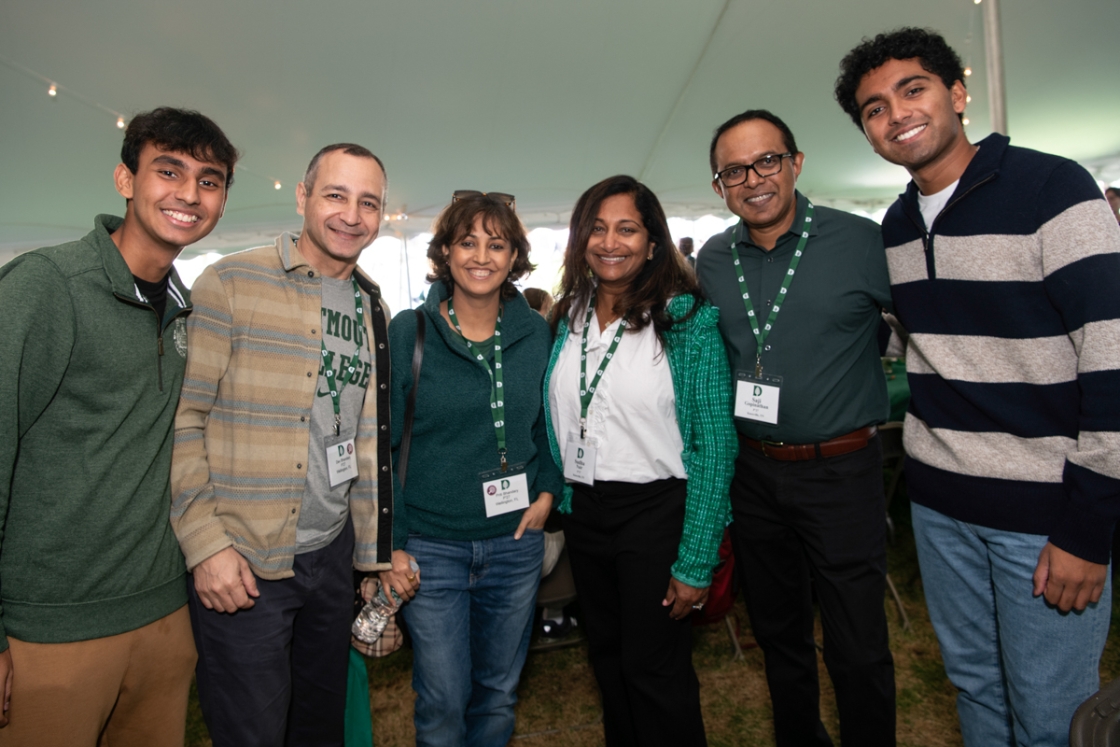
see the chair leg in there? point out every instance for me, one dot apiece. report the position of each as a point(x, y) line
point(898, 603)
point(734, 639)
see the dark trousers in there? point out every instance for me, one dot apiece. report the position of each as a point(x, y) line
point(275, 674)
point(622, 540)
point(817, 524)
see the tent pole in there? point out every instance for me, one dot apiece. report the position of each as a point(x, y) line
point(404, 262)
point(993, 51)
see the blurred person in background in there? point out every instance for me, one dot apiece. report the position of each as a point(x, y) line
point(539, 301)
point(686, 249)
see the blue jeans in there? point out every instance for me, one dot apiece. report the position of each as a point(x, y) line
point(470, 624)
point(1021, 667)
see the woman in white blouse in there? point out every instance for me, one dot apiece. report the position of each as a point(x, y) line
point(638, 410)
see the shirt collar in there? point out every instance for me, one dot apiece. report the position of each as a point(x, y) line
point(742, 233)
point(290, 256)
point(117, 270)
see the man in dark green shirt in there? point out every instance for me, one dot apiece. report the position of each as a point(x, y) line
point(800, 291)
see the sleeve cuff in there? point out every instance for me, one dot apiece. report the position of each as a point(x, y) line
point(1084, 534)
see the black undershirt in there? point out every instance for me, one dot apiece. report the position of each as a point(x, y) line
point(156, 293)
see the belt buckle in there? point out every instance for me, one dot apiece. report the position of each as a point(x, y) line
point(766, 443)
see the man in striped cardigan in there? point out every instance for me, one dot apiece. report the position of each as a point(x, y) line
point(1004, 267)
point(280, 474)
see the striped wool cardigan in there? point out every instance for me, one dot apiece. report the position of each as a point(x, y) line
point(1012, 303)
point(239, 464)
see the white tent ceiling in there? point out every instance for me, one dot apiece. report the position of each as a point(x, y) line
point(540, 99)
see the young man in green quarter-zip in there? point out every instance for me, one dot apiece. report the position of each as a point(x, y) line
point(95, 639)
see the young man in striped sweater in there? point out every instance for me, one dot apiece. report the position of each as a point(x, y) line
point(1004, 266)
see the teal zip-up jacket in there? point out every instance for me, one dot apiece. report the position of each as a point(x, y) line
point(702, 386)
point(453, 431)
point(89, 381)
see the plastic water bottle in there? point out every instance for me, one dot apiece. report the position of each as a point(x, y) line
point(371, 621)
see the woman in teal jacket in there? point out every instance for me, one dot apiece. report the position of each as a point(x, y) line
point(638, 407)
point(480, 481)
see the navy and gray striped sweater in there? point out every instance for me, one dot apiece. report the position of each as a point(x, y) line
point(1012, 303)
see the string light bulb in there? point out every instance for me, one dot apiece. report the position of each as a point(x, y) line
point(964, 121)
point(276, 185)
point(977, 2)
point(967, 71)
point(52, 91)
point(120, 123)
point(968, 99)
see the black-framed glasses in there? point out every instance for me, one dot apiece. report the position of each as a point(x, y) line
point(766, 166)
point(502, 197)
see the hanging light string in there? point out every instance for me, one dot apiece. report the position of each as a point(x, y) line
point(54, 89)
point(974, 13)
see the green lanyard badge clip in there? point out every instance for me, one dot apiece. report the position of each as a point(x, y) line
point(497, 404)
point(334, 386)
point(761, 335)
point(586, 393)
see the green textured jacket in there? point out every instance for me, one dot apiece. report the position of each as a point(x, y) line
point(89, 380)
point(702, 386)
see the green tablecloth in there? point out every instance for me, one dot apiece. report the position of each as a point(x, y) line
point(898, 388)
point(359, 724)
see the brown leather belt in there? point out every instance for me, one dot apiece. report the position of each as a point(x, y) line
point(845, 444)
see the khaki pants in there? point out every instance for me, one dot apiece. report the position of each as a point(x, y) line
point(127, 690)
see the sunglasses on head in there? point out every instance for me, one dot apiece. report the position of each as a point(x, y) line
point(502, 197)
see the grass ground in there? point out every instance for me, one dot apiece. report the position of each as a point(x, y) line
point(559, 700)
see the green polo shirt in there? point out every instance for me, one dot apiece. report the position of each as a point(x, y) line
point(824, 341)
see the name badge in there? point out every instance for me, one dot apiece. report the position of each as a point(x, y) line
point(342, 461)
point(756, 398)
point(579, 460)
point(505, 491)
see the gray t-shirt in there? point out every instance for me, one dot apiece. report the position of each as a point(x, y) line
point(324, 509)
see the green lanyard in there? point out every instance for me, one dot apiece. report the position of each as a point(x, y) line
point(497, 405)
point(334, 386)
point(587, 392)
point(761, 335)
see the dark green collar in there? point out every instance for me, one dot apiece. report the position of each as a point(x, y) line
point(742, 233)
point(117, 270)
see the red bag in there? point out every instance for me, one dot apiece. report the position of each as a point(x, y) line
point(721, 595)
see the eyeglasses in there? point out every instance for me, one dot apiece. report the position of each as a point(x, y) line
point(502, 197)
point(766, 166)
